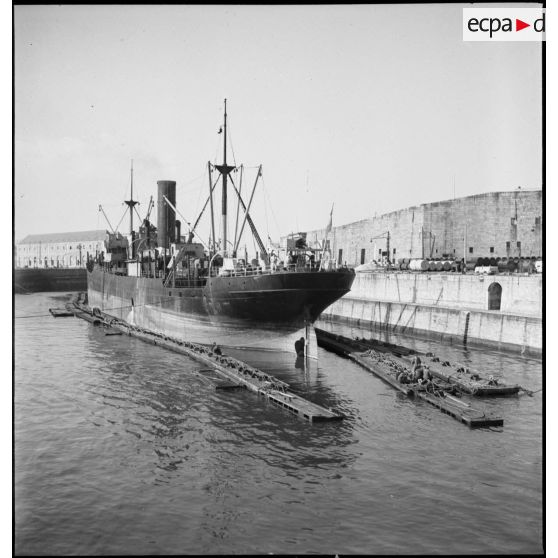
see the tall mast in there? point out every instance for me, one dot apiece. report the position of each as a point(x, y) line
point(224, 201)
point(225, 170)
point(131, 203)
point(225, 175)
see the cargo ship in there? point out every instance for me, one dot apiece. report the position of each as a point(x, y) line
point(204, 292)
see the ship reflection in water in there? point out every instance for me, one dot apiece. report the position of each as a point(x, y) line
point(122, 448)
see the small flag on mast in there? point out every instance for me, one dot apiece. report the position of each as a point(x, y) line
point(329, 225)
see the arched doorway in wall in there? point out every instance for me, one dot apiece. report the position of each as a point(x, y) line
point(494, 296)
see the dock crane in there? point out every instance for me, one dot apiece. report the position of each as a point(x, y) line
point(149, 208)
point(385, 235)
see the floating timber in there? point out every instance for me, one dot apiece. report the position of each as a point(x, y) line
point(226, 372)
point(60, 312)
point(387, 368)
point(467, 381)
point(95, 320)
point(217, 379)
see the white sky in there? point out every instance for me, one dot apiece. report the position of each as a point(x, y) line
point(372, 108)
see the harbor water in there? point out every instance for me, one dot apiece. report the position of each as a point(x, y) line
point(120, 448)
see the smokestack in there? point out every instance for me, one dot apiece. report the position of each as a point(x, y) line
point(165, 214)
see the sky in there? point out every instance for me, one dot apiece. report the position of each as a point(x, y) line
point(366, 108)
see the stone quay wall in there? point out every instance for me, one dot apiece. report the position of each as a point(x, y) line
point(451, 308)
point(521, 294)
point(49, 280)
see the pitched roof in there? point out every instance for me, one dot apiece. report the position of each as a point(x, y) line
point(79, 236)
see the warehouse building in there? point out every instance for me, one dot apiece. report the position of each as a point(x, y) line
point(59, 249)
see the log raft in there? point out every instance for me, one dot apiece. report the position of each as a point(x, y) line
point(386, 368)
point(225, 372)
point(60, 312)
point(466, 380)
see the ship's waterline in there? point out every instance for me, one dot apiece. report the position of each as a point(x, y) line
point(199, 328)
point(264, 312)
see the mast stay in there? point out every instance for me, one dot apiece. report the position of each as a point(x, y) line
point(250, 222)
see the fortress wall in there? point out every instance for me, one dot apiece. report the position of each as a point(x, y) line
point(495, 220)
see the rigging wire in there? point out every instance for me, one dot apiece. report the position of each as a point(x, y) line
point(238, 204)
point(266, 195)
point(126, 189)
point(217, 150)
point(266, 218)
point(201, 188)
point(231, 142)
point(121, 219)
point(191, 181)
point(256, 248)
point(32, 316)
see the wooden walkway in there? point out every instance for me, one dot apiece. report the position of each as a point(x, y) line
point(224, 372)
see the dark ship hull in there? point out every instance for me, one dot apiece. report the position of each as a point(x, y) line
point(205, 294)
point(265, 310)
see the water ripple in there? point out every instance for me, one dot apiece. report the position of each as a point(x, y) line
point(121, 449)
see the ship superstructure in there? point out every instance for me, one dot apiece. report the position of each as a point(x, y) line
point(182, 286)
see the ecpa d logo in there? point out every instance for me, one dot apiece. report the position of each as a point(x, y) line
point(504, 24)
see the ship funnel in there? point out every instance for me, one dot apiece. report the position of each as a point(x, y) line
point(166, 217)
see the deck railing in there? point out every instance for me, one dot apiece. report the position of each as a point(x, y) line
point(250, 271)
point(185, 278)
